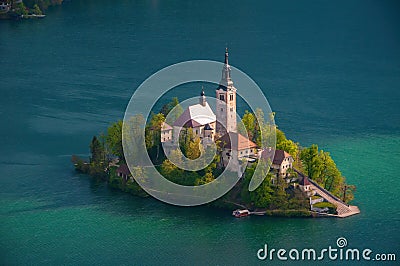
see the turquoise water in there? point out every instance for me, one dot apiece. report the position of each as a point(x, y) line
point(330, 70)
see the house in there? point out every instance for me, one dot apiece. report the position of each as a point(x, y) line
point(237, 147)
point(281, 162)
point(305, 185)
point(123, 171)
point(166, 132)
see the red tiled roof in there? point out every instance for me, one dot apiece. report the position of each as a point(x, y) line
point(304, 181)
point(165, 126)
point(236, 141)
point(123, 169)
point(279, 155)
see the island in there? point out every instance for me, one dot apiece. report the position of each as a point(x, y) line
point(301, 181)
point(19, 9)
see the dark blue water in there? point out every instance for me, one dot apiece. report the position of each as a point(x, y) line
point(330, 70)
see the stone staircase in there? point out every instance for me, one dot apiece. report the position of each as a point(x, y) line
point(343, 209)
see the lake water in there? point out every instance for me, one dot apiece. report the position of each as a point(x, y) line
point(330, 70)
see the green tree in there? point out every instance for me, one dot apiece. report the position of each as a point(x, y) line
point(347, 192)
point(280, 198)
point(97, 168)
point(97, 151)
point(249, 121)
point(207, 178)
point(134, 138)
point(36, 10)
point(153, 130)
point(289, 146)
point(263, 195)
point(194, 148)
point(330, 176)
point(311, 161)
point(264, 132)
point(186, 138)
point(114, 139)
point(168, 107)
point(20, 9)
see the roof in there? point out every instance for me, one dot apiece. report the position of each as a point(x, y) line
point(304, 181)
point(123, 169)
point(279, 155)
point(165, 126)
point(196, 115)
point(236, 141)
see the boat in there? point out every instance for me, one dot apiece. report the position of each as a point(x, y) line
point(33, 16)
point(240, 213)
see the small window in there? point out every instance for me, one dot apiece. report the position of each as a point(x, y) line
point(231, 97)
point(231, 109)
point(222, 109)
point(221, 97)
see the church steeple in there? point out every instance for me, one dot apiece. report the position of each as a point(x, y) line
point(202, 99)
point(226, 80)
point(226, 56)
point(226, 101)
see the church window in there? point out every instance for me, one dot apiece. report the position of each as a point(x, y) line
point(231, 109)
point(221, 97)
point(231, 97)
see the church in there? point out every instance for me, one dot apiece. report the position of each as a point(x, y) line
point(219, 125)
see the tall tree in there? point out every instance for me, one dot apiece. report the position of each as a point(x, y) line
point(249, 121)
point(311, 161)
point(97, 151)
point(114, 139)
point(168, 107)
point(134, 138)
point(263, 195)
point(153, 130)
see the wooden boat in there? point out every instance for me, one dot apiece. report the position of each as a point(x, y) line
point(240, 213)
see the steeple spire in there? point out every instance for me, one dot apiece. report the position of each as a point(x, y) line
point(226, 56)
point(226, 80)
point(202, 99)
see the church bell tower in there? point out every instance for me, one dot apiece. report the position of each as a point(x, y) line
point(226, 101)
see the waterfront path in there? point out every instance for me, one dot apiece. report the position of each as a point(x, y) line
point(343, 209)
